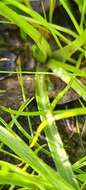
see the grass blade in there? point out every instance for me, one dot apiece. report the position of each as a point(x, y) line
point(65, 76)
point(20, 148)
point(40, 41)
point(54, 141)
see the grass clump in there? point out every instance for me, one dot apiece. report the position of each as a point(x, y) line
point(64, 61)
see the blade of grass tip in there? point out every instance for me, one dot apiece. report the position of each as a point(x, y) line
point(54, 141)
point(51, 10)
point(21, 149)
point(39, 130)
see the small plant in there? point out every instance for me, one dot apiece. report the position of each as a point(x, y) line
point(63, 64)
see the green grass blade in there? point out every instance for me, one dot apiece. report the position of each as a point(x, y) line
point(27, 28)
point(83, 15)
point(80, 163)
point(52, 6)
point(10, 174)
point(67, 6)
point(21, 149)
point(66, 52)
point(19, 112)
point(54, 141)
point(80, 4)
point(65, 76)
point(69, 113)
point(14, 121)
point(38, 18)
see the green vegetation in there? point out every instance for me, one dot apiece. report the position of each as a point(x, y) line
point(62, 63)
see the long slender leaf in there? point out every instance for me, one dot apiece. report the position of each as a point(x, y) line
point(67, 5)
point(20, 148)
point(55, 143)
point(65, 76)
point(66, 52)
point(27, 28)
point(10, 174)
